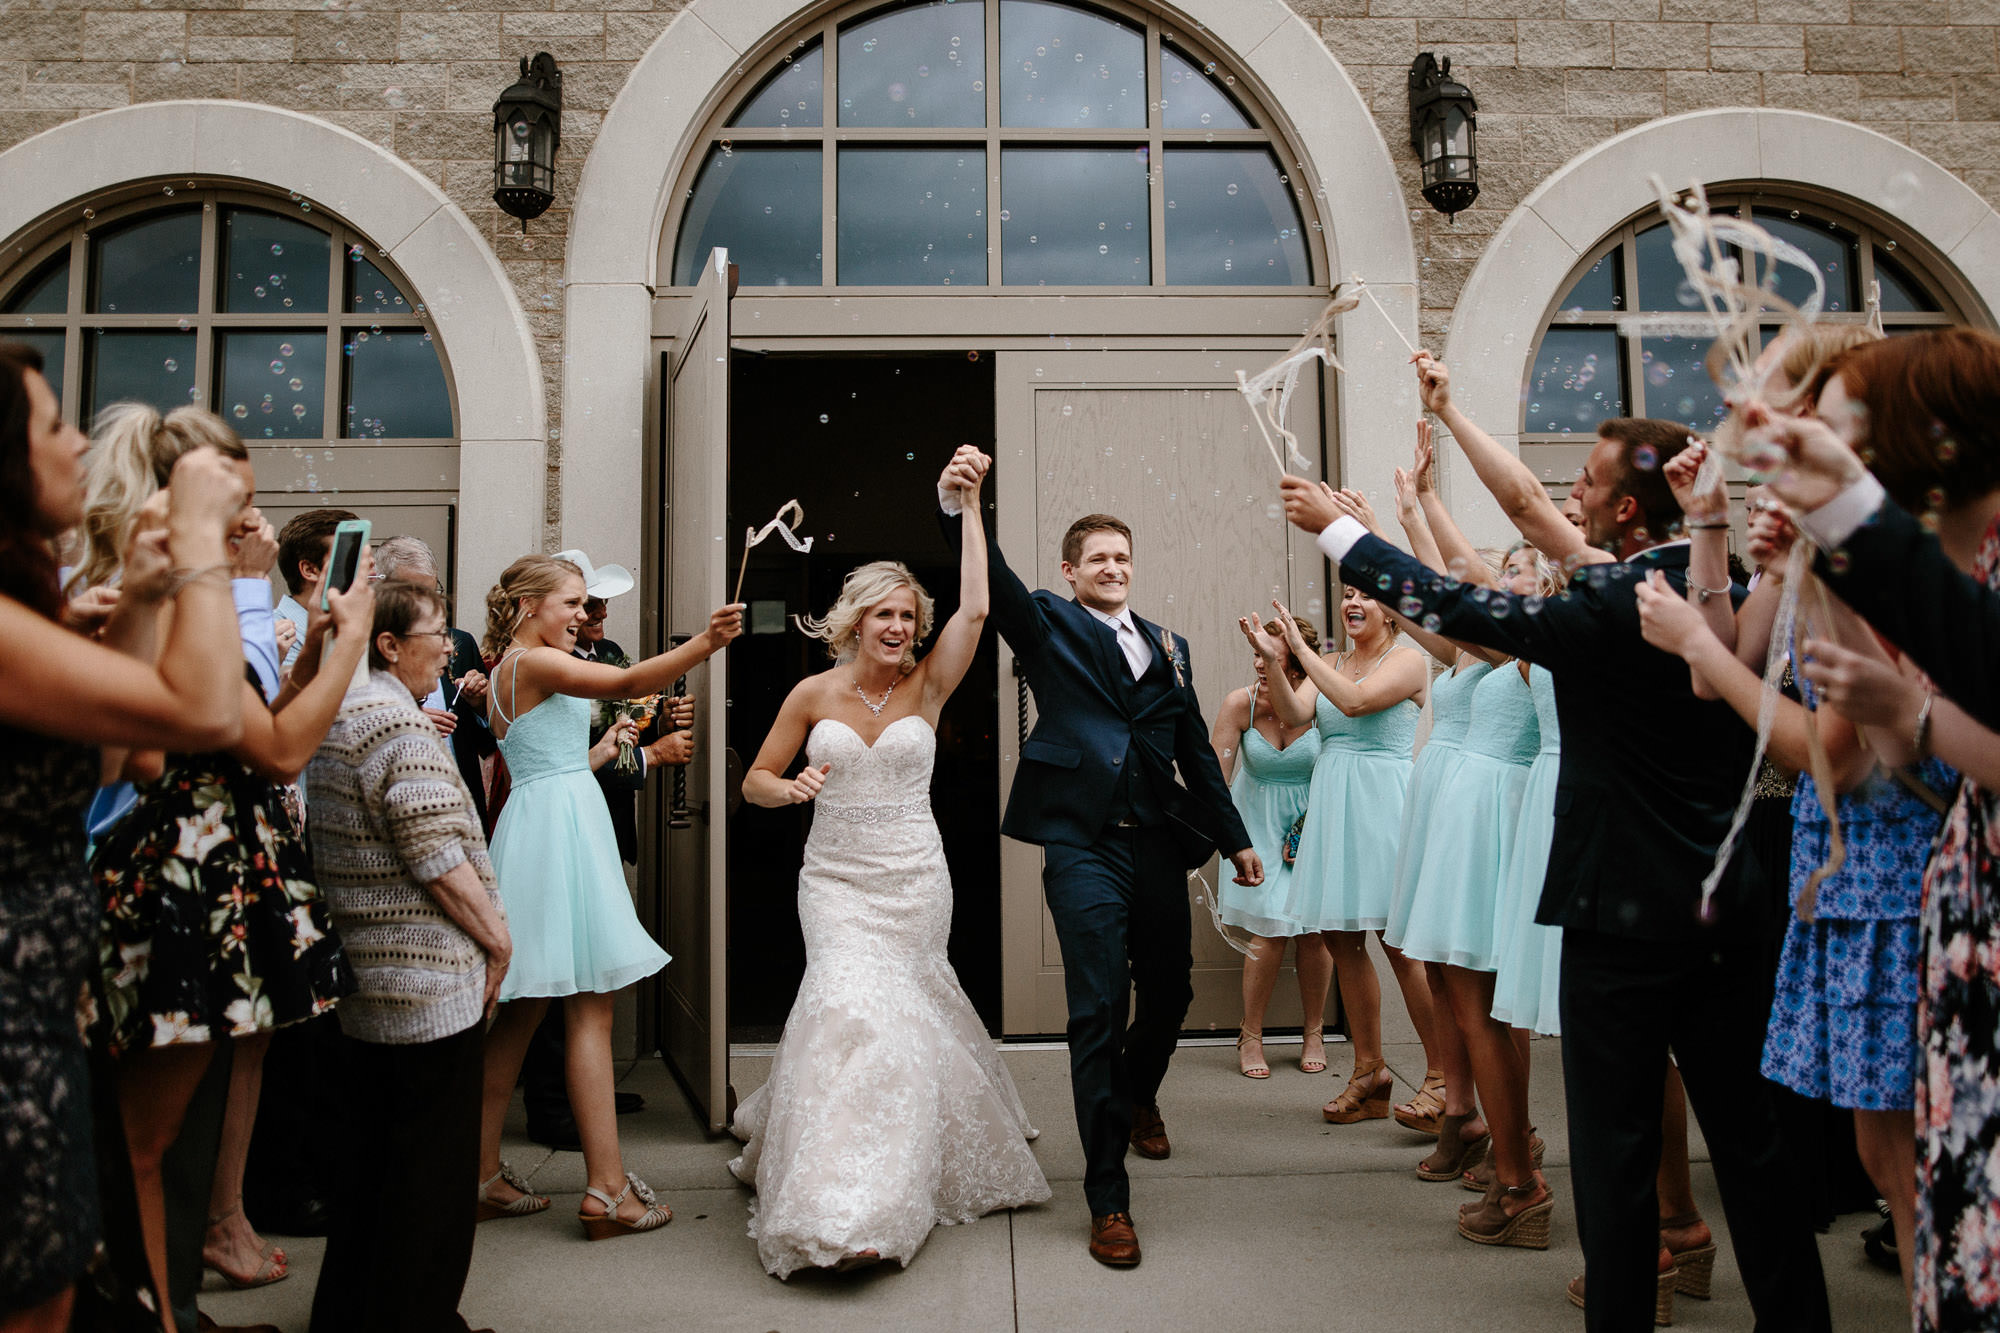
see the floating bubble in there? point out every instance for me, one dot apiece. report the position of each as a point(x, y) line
point(1232, 188)
point(299, 414)
point(277, 249)
point(277, 367)
point(172, 365)
point(240, 411)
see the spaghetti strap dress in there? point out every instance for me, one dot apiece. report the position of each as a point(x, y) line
point(556, 857)
point(1345, 873)
point(1451, 714)
point(1528, 976)
point(1270, 789)
point(1454, 904)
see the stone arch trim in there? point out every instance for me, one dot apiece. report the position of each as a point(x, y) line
point(1524, 265)
point(494, 363)
point(622, 202)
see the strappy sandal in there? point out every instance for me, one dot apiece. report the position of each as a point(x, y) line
point(1424, 1111)
point(1480, 1179)
point(272, 1265)
point(528, 1204)
point(610, 1224)
point(1454, 1153)
point(1363, 1098)
point(1308, 1062)
point(1245, 1065)
point(1696, 1264)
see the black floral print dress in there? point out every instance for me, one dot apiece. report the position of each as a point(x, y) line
point(212, 924)
point(1957, 1252)
point(48, 921)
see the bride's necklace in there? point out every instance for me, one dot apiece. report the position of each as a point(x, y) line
point(874, 707)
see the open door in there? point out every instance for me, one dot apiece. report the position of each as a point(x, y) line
point(694, 1019)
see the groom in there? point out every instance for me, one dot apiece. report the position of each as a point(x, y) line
point(1097, 790)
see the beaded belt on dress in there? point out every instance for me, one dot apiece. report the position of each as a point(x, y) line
point(875, 814)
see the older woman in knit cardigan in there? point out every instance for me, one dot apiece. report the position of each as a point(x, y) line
point(402, 864)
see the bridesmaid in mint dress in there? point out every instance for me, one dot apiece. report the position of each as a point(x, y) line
point(1269, 766)
point(1528, 955)
point(1365, 703)
point(575, 933)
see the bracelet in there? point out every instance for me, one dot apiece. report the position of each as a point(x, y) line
point(179, 580)
point(1702, 594)
point(1722, 526)
point(1922, 737)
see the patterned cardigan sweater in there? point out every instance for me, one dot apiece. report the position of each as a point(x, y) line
point(390, 814)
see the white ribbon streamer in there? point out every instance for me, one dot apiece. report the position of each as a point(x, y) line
point(753, 536)
point(1269, 391)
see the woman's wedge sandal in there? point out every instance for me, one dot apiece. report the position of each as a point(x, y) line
point(1363, 1098)
point(1425, 1111)
point(529, 1202)
point(1454, 1152)
point(609, 1224)
point(1696, 1264)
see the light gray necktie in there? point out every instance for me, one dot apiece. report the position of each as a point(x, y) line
point(1137, 656)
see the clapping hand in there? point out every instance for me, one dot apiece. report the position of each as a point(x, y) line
point(1294, 640)
point(807, 784)
point(1355, 505)
point(1684, 477)
point(286, 633)
point(1266, 647)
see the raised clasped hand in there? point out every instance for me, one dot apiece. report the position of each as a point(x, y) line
point(808, 783)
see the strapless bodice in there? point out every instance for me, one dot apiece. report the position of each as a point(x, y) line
point(887, 779)
point(1289, 767)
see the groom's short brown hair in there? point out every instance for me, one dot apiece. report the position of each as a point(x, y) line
point(1072, 542)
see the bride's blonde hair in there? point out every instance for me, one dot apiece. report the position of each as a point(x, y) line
point(863, 588)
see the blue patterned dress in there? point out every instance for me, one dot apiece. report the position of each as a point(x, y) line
point(1843, 1021)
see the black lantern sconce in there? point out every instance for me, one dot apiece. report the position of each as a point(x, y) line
point(1443, 117)
point(527, 129)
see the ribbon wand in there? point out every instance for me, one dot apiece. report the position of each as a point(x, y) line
point(752, 536)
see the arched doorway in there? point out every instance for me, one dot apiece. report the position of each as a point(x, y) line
point(1101, 368)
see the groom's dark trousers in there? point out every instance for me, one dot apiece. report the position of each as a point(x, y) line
point(1096, 789)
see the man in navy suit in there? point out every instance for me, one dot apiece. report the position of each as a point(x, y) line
point(1097, 790)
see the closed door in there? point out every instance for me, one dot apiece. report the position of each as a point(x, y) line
point(1164, 441)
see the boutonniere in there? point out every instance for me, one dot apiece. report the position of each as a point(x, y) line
point(1174, 655)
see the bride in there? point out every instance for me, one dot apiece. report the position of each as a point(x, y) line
point(888, 1110)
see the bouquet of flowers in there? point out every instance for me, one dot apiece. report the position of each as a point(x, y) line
point(639, 711)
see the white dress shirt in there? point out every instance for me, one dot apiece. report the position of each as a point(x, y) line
point(1138, 653)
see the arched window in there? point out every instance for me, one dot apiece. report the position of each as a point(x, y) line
point(1584, 370)
point(293, 327)
point(995, 143)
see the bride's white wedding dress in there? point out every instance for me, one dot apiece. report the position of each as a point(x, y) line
point(888, 1110)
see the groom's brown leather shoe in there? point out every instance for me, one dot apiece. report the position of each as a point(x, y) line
point(1149, 1133)
point(1113, 1242)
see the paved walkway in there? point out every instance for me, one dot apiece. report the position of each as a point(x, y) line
point(1265, 1218)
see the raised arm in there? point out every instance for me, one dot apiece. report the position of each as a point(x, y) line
point(1445, 650)
point(765, 784)
point(1455, 555)
point(1522, 497)
point(1293, 707)
point(548, 671)
point(1011, 606)
point(279, 743)
point(1410, 506)
point(1401, 676)
point(1697, 485)
point(959, 640)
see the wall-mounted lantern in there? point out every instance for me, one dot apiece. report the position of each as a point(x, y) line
point(527, 129)
point(1443, 117)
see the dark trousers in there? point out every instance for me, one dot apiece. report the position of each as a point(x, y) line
point(400, 1242)
point(1625, 1005)
point(545, 1073)
point(1121, 914)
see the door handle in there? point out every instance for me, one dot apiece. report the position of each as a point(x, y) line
point(677, 815)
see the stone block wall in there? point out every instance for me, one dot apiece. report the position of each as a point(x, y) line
point(1553, 77)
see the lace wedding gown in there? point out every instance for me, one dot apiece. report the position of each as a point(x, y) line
point(888, 1110)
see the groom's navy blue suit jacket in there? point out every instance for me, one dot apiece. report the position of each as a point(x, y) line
point(1097, 724)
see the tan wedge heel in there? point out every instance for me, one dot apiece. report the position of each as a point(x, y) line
point(609, 1225)
point(1697, 1271)
point(1454, 1153)
point(1487, 1222)
point(1363, 1098)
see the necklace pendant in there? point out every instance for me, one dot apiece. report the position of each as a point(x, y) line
point(874, 707)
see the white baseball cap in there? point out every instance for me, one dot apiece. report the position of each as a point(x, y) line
point(605, 581)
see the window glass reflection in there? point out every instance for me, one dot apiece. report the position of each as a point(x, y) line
point(792, 96)
point(139, 366)
point(1662, 284)
point(1598, 288)
point(912, 216)
point(1578, 381)
point(273, 383)
point(148, 267)
point(370, 291)
point(1832, 251)
point(46, 292)
point(922, 64)
point(272, 265)
point(395, 387)
point(1074, 216)
point(1232, 220)
point(54, 350)
point(1192, 98)
point(1677, 384)
point(763, 205)
point(1062, 67)
point(1900, 293)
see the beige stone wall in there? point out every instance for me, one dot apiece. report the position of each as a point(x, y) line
point(1553, 77)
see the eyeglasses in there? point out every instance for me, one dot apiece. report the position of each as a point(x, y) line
point(443, 636)
point(595, 620)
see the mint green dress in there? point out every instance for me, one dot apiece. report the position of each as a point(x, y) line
point(1527, 979)
point(1345, 874)
point(555, 855)
point(1451, 714)
point(1269, 789)
point(1455, 902)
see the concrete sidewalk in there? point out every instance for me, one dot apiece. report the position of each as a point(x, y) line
point(1265, 1217)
